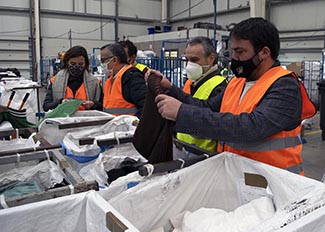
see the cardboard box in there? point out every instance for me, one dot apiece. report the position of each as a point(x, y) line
point(295, 67)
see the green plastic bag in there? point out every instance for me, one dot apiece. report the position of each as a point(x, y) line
point(65, 109)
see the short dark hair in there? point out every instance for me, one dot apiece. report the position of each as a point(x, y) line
point(116, 50)
point(132, 49)
point(260, 32)
point(73, 52)
point(207, 45)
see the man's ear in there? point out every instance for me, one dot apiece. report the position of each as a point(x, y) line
point(211, 58)
point(265, 53)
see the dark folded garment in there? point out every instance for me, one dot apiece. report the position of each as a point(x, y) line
point(153, 137)
point(127, 166)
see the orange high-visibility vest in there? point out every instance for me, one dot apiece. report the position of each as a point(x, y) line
point(80, 94)
point(282, 149)
point(113, 102)
point(187, 86)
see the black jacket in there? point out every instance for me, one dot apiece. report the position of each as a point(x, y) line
point(134, 88)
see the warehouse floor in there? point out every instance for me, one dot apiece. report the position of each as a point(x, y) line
point(313, 152)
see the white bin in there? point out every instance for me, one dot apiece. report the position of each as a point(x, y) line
point(83, 212)
point(223, 182)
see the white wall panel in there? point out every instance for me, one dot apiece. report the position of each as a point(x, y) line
point(178, 6)
point(109, 32)
point(237, 3)
point(222, 20)
point(142, 9)
point(80, 6)
point(93, 6)
point(14, 3)
point(131, 31)
point(301, 15)
point(14, 25)
point(288, 58)
point(64, 5)
point(222, 5)
point(80, 28)
point(108, 7)
point(302, 44)
point(51, 47)
point(200, 7)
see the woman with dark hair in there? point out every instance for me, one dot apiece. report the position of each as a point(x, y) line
point(74, 81)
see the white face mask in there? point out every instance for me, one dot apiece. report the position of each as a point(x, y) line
point(194, 71)
point(108, 72)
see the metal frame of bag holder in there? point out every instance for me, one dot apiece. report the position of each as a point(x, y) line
point(25, 133)
point(76, 183)
point(83, 124)
point(200, 154)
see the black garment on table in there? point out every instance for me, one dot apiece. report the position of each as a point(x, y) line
point(153, 136)
point(127, 166)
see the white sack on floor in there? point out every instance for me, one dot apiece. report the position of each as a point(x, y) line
point(218, 182)
point(83, 212)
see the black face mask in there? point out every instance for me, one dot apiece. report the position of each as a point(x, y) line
point(76, 70)
point(243, 68)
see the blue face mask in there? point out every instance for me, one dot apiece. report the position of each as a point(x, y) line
point(243, 68)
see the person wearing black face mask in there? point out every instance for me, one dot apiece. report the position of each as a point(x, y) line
point(74, 81)
point(244, 68)
point(259, 114)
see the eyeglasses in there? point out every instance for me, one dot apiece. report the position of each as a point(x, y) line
point(103, 59)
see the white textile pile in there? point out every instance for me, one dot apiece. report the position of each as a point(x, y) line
point(242, 219)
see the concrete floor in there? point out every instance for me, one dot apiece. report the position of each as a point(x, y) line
point(313, 152)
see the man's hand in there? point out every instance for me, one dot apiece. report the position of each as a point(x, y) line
point(164, 83)
point(88, 104)
point(167, 106)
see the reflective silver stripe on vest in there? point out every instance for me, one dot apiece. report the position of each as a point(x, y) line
point(121, 110)
point(268, 144)
point(296, 168)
